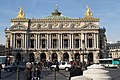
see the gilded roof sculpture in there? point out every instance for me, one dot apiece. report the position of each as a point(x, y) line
point(21, 14)
point(88, 12)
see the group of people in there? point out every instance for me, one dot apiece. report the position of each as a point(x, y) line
point(32, 71)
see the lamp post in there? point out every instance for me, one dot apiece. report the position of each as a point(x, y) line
point(17, 76)
point(82, 50)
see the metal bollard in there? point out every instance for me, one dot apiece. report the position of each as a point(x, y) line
point(17, 73)
point(54, 74)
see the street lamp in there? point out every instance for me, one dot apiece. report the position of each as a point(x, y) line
point(83, 49)
point(83, 53)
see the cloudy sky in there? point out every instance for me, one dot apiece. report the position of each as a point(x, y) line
point(107, 10)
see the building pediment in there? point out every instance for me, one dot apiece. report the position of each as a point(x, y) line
point(90, 26)
point(18, 27)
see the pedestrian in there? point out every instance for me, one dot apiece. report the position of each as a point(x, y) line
point(76, 71)
point(28, 72)
point(37, 72)
point(57, 66)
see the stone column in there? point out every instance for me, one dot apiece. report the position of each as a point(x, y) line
point(85, 40)
point(14, 40)
point(25, 41)
point(97, 40)
point(47, 41)
point(82, 38)
point(38, 41)
point(70, 56)
point(59, 56)
point(11, 40)
point(61, 41)
point(94, 41)
point(58, 41)
point(72, 41)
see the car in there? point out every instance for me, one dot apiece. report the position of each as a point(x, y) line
point(62, 66)
point(14, 66)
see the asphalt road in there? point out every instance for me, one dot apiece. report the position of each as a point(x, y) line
point(47, 74)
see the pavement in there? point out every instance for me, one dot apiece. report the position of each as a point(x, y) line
point(51, 75)
point(47, 74)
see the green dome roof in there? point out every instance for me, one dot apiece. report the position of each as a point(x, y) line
point(56, 15)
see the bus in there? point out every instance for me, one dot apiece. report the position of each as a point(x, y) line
point(109, 62)
point(116, 61)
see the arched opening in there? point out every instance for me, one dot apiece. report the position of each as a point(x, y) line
point(90, 58)
point(54, 57)
point(65, 57)
point(42, 57)
point(18, 57)
point(31, 57)
point(77, 57)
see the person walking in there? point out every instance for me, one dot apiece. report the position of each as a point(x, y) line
point(76, 71)
point(28, 72)
point(37, 71)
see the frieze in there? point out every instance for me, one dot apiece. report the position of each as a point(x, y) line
point(18, 27)
point(63, 26)
point(90, 26)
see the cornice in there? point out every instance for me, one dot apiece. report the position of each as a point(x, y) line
point(67, 20)
point(20, 20)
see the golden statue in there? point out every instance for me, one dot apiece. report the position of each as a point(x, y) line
point(21, 14)
point(88, 12)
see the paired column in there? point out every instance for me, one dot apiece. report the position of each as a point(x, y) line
point(47, 41)
point(72, 41)
point(13, 40)
point(58, 41)
point(61, 41)
point(38, 41)
point(97, 40)
point(85, 37)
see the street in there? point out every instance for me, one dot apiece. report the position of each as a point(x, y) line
point(47, 74)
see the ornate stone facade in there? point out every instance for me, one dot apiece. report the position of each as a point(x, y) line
point(56, 37)
point(113, 49)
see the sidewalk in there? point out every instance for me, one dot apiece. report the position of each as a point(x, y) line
point(59, 76)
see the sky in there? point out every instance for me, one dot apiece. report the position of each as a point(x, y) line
point(108, 11)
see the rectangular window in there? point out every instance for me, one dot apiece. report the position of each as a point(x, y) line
point(65, 43)
point(90, 43)
point(32, 43)
point(19, 43)
point(54, 43)
point(43, 43)
point(76, 43)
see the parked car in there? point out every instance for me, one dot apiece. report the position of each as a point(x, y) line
point(62, 66)
point(14, 66)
